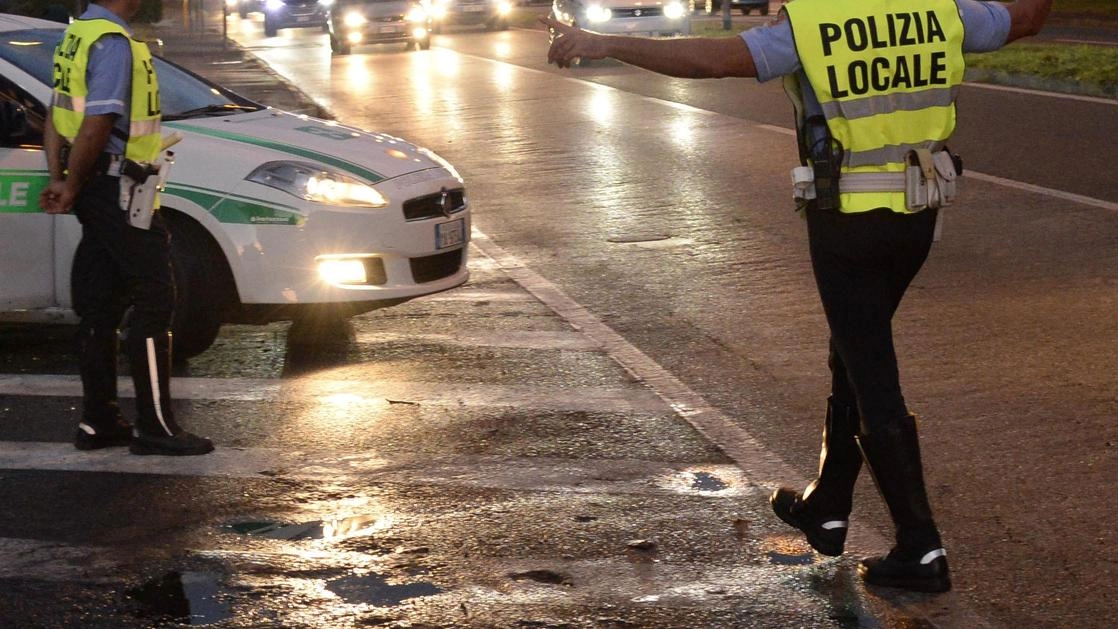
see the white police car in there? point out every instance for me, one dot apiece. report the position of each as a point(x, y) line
point(274, 216)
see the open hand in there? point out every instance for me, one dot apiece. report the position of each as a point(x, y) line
point(571, 43)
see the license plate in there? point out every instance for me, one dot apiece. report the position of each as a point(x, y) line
point(389, 29)
point(450, 234)
point(302, 18)
point(471, 9)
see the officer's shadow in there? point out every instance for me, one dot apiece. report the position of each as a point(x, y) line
point(318, 343)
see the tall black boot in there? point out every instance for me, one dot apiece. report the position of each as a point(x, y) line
point(156, 429)
point(823, 509)
point(102, 423)
point(918, 562)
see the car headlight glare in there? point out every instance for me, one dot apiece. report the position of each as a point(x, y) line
point(597, 13)
point(342, 270)
point(273, 5)
point(354, 19)
point(417, 14)
point(326, 4)
point(673, 10)
point(317, 184)
point(504, 8)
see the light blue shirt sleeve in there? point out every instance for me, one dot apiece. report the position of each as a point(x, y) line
point(986, 27)
point(109, 77)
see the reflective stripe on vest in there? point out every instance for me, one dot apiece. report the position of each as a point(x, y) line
point(886, 77)
point(71, 60)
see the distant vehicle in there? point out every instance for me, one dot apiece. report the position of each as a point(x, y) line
point(493, 14)
point(745, 6)
point(357, 22)
point(627, 17)
point(242, 7)
point(273, 216)
point(280, 14)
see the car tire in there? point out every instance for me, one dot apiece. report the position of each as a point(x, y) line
point(203, 286)
point(243, 12)
point(424, 44)
point(337, 47)
point(270, 29)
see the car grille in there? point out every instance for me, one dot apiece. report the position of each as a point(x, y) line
point(432, 205)
point(436, 267)
point(638, 12)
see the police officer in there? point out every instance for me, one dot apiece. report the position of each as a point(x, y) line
point(105, 111)
point(874, 85)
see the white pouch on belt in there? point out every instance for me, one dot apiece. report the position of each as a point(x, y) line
point(930, 180)
point(140, 183)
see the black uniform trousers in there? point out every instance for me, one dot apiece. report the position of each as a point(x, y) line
point(863, 264)
point(117, 266)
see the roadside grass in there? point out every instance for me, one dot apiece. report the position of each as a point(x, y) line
point(1092, 65)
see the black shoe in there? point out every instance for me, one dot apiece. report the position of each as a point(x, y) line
point(917, 572)
point(182, 444)
point(97, 435)
point(826, 535)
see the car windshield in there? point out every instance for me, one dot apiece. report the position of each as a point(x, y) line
point(181, 93)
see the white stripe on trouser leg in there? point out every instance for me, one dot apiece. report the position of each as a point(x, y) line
point(153, 375)
point(933, 555)
point(834, 524)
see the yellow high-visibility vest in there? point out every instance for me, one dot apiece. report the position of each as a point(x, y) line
point(71, 60)
point(886, 73)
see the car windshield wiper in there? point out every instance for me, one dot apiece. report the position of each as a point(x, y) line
point(211, 110)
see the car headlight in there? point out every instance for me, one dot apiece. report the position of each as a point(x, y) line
point(504, 8)
point(416, 14)
point(597, 13)
point(273, 5)
point(673, 10)
point(354, 19)
point(231, 3)
point(318, 184)
point(326, 4)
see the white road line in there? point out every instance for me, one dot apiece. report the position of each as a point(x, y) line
point(734, 440)
point(309, 390)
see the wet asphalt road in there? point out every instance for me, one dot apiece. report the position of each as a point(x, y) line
point(476, 459)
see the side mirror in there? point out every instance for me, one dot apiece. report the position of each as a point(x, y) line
point(13, 121)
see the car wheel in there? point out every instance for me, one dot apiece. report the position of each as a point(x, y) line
point(243, 12)
point(765, 10)
point(203, 286)
point(425, 44)
point(270, 29)
point(745, 10)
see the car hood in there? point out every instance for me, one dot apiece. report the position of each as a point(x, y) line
point(373, 157)
point(383, 8)
point(628, 4)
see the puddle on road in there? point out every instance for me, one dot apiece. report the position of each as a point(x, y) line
point(374, 589)
point(329, 530)
point(194, 598)
point(705, 481)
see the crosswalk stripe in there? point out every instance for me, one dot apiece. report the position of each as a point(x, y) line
point(611, 476)
point(362, 391)
point(503, 338)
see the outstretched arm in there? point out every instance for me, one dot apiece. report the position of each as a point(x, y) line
point(689, 57)
point(1027, 17)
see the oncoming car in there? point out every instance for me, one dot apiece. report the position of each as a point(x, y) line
point(279, 14)
point(357, 22)
point(273, 216)
point(628, 17)
point(493, 14)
